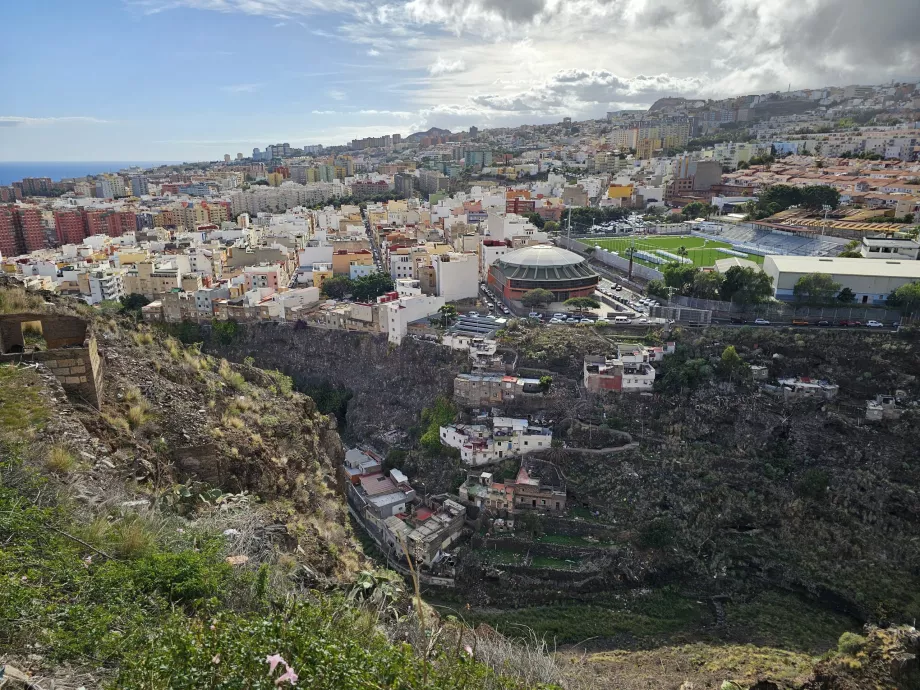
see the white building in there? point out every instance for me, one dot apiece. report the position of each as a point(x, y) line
point(888, 248)
point(402, 311)
point(508, 437)
point(457, 275)
point(105, 285)
point(870, 281)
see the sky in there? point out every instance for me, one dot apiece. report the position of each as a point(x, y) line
point(193, 79)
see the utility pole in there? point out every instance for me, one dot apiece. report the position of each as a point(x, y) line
point(632, 249)
point(570, 226)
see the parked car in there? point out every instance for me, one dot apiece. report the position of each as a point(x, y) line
point(571, 319)
point(800, 322)
point(559, 315)
point(737, 319)
point(761, 322)
point(824, 322)
point(643, 320)
point(586, 321)
point(874, 324)
point(472, 313)
point(535, 315)
point(851, 324)
point(505, 310)
point(601, 321)
point(555, 320)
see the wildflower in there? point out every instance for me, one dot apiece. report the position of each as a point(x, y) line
point(468, 649)
point(87, 561)
point(216, 659)
point(288, 675)
point(273, 662)
point(213, 627)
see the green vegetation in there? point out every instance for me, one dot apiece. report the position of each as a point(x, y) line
point(365, 289)
point(225, 332)
point(582, 303)
point(701, 251)
point(906, 298)
point(441, 414)
point(22, 409)
point(538, 297)
point(816, 288)
point(738, 284)
point(697, 209)
point(780, 197)
point(330, 400)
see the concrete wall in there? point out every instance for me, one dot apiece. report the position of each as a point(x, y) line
point(613, 260)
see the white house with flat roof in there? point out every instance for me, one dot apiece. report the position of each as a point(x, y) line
point(889, 248)
point(870, 281)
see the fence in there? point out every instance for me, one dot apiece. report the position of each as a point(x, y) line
point(780, 311)
point(613, 260)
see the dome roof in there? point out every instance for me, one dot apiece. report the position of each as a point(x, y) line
point(541, 256)
point(544, 262)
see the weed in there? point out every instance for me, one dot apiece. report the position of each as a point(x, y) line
point(142, 338)
point(231, 421)
point(850, 643)
point(60, 460)
point(117, 422)
point(138, 415)
point(133, 538)
point(133, 395)
point(232, 378)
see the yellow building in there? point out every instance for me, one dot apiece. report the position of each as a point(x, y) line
point(343, 260)
point(126, 257)
point(150, 281)
point(320, 277)
point(275, 179)
point(620, 191)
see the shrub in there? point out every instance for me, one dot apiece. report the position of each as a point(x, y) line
point(850, 643)
point(142, 338)
point(813, 484)
point(232, 378)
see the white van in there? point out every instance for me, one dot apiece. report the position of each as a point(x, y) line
point(622, 319)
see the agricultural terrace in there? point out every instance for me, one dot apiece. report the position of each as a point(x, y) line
point(700, 251)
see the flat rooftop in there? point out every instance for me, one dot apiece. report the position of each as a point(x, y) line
point(892, 268)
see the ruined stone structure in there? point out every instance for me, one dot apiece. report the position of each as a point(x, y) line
point(64, 344)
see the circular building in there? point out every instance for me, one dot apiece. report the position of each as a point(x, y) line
point(564, 273)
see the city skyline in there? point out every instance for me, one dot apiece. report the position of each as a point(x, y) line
point(194, 79)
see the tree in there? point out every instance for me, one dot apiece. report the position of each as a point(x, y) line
point(846, 296)
point(815, 197)
point(536, 297)
point(550, 226)
point(536, 219)
point(368, 288)
point(816, 288)
point(582, 303)
point(696, 209)
point(545, 383)
point(448, 314)
point(731, 361)
point(746, 285)
point(706, 285)
point(133, 302)
point(850, 254)
point(337, 287)
point(682, 251)
point(657, 288)
point(906, 298)
point(680, 276)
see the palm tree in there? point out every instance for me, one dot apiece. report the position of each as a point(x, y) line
point(682, 251)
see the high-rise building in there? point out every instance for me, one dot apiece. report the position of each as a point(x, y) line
point(139, 185)
point(474, 132)
point(239, 156)
point(9, 244)
point(226, 158)
point(37, 186)
point(105, 189)
point(94, 222)
point(29, 225)
point(256, 155)
point(70, 227)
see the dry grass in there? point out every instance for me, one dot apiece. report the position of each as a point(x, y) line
point(233, 379)
point(142, 338)
point(173, 348)
point(133, 395)
point(14, 300)
point(231, 421)
point(60, 460)
point(138, 414)
point(134, 537)
point(117, 422)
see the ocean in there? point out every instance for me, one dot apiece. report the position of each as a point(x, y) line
point(57, 170)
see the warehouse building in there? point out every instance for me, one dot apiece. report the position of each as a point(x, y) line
point(871, 281)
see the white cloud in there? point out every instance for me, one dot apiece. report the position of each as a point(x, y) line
point(446, 66)
point(336, 94)
point(373, 52)
point(15, 121)
point(391, 113)
point(240, 88)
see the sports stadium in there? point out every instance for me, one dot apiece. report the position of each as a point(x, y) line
point(703, 249)
point(564, 273)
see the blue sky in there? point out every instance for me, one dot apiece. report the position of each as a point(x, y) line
point(194, 79)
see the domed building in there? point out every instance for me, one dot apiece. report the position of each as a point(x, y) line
point(564, 273)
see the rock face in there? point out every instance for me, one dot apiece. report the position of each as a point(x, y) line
point(390, 386)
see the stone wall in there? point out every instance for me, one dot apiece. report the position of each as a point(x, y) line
point(71, 354)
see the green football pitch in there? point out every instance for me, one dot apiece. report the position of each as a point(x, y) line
point(700, 251)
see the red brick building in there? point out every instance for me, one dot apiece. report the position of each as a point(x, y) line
point(21, 230)
point(70, 227)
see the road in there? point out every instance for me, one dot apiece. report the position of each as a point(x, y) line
point(375, 248)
